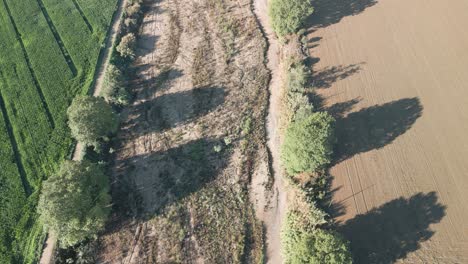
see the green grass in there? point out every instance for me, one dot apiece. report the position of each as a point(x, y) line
point(48, 55)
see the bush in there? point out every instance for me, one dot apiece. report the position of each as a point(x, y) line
point(75, 201)
point(126, 47)
point(91, 119)
point(308, 143)
point(113, 89)
point(303, 243)
point(298, 77)
point(287, 16)
point(299, 106)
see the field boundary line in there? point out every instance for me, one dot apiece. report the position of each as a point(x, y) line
point(14, 144)
point(58, 39)
point(31, 70)
point(78, 7)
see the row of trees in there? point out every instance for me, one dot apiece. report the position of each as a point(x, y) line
point(75, 201)
point(307, 150)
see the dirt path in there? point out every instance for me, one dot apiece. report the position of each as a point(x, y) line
point(394, 73)
point(277, 207)
point(104, 58)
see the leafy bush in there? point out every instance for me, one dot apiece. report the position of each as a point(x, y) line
point(91, 119)
point(126, 47)
point(303, 243)
point(299, 106)
point(298, 77)
point(287, 16)
point(308, 143)
point(113, 89)
point(75, 201)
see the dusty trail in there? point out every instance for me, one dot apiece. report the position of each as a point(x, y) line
point(276, 209)
point(103, 60)
point(394, 74)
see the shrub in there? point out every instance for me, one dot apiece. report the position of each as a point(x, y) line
point(299, 106)
point(298, 77)
point(75, 201)
point(114, 90)
point(91, 119)
point(308, 143)
point(303, 243)
point(287, 16)
point(126, 46)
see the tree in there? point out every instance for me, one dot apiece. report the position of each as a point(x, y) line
point(127, 45)
point(91, 119)
point(287, 16)
point(113, 89)
point(308, 143)
point(304, 243)
point(74, 202)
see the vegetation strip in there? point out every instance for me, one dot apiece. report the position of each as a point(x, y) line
point(14, 145)
point(31, 70)
point(57, 37)
point(78, 7)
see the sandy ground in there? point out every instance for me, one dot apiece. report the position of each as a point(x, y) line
point(394, 74)
point(50, 243)
point(275, 211)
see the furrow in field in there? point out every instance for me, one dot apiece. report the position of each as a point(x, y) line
point(82, 14)
point(31, 70)
point(57, 37)
point(14, 144)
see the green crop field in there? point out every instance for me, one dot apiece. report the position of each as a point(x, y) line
point(48, 54)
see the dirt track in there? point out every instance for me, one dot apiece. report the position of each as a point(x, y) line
point(395, 75)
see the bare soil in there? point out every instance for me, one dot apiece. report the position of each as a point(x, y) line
point(394, 75)
point(192, 138)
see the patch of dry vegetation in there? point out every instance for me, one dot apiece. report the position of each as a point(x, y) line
point(191, 139)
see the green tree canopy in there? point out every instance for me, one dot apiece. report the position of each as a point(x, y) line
point(126, 46)
point(74, 202)
point(308, 143)
point(303, 243)
point(287, 16)
point(113, 89)
point(91, 119)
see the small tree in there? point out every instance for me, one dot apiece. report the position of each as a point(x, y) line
point(287, 16)
point(304, 243)
point(126, 46)
point(308, 143)
point(91, 119)
point(113, 89)
point(74, 202)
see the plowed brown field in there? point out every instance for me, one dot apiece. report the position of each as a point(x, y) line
point(395, 73)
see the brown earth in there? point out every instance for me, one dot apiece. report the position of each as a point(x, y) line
point(192, 139)
point(394, 73)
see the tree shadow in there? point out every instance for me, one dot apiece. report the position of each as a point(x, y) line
point(373, 127)
point(329, 12)
point(391, 231)
point(159, 179)
point(170, 110)
point(329, 75)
